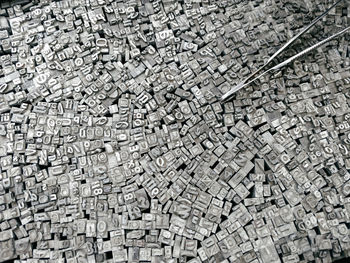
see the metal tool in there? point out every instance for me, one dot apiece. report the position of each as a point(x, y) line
point(251, 78)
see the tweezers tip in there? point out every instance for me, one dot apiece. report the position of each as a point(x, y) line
point(223, 97)
point(232, 91)
point(226, 96)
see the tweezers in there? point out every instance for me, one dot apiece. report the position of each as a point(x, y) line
point(251, 78)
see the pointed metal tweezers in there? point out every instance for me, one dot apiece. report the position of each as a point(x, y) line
point(248, 80)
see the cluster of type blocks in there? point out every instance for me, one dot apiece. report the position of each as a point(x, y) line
point(116, 147)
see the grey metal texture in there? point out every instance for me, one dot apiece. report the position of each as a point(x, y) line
point(115, 145)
